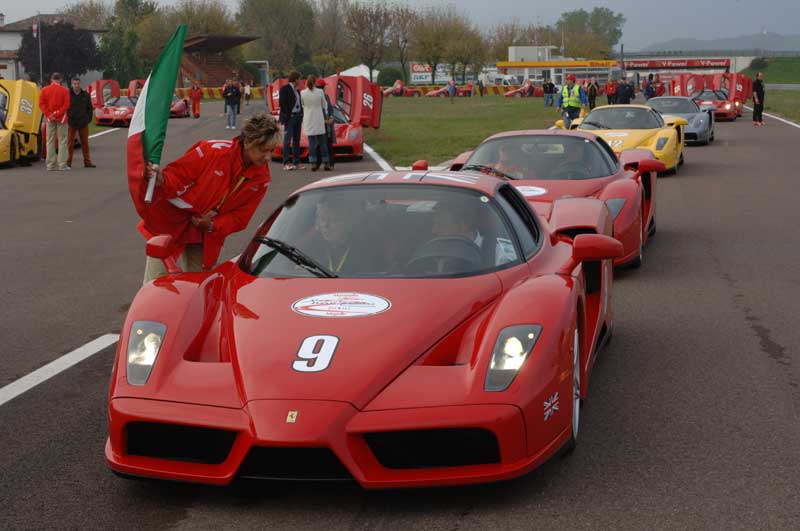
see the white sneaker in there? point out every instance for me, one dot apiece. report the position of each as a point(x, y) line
point(227, 127)
point(233, 127)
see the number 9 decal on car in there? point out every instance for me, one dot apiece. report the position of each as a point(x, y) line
point(315, 354)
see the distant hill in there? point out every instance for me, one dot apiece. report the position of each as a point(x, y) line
point(758, 41)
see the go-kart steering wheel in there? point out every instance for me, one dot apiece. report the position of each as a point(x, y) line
point(446, 254)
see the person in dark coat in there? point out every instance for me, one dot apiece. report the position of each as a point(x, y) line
point(232, 96)
point(623, 92)
point(79, 115)
point(291, 117)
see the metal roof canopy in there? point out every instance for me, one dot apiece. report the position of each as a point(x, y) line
point(214, 43)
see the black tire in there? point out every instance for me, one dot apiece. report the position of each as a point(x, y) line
point(680, 160)
point(576, 399)
point(13, 152)
point(711, 138)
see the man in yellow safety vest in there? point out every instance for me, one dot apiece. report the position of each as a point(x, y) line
point(570, 101)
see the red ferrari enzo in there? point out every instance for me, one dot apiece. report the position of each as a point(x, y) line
point(527, 90)
point(458, 350)
point(116, 111)
point(724, 108)
point(548, 165)
point(461, 92)
point(399, 90)
point(179, 108)
point(349, 138)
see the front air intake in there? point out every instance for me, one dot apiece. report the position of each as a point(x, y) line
point(307, 464)
point(434, 448)
point(175, 442)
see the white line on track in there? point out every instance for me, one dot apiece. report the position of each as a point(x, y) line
point(42, 374)
point(101, 133)
point(385, 166)
point(787, 122)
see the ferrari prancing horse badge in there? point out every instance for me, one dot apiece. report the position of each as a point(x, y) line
point(291, 417)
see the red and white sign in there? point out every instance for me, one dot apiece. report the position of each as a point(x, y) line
point(677, 63)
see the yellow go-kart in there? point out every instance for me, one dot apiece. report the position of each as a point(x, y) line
point(20, 121)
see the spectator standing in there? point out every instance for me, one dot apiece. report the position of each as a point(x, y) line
point(648, 90)
point(624, 92)
point(480, 87)
point(314, 123)
point(571, 100)
point(330, 129)
point(291, 117)
point(247, 92)
point(549, 90)
point(79, 115)
point(451, 90)
point(209, 193)
point(631, 90)
point(592, 90)
point(232, 96)
point(54, 103)
point(611, 91)
point(758, 100)
point(196, 94)
point(659, 87)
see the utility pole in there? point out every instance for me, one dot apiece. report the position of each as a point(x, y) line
point(622, 60)
point(37, 33)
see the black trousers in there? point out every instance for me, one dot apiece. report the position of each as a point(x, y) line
point(610, 99)
point(758, 112)
point(592, 103)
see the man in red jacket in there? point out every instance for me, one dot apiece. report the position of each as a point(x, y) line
point(212, 191)
point(54, 103)
point(196, 94)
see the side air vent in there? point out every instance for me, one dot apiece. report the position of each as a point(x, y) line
point(179, 443)
point(434, 448)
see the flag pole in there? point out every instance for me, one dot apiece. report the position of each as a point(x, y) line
point(39, 33)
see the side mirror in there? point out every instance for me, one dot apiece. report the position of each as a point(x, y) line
point(591, 248)
point(160, 247)
point(677, 121)
point(594, 247)
point(420, 165)
point(560, 124)
point(645, 166)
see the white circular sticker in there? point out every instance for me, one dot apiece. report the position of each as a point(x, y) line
point(341, 305)
point(531, 191)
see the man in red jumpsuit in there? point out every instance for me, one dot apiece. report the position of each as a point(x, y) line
point(212, 191)
point(196, 94)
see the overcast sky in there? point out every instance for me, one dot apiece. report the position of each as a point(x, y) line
point(648, 21)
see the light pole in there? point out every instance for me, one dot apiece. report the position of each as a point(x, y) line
point(37, 34)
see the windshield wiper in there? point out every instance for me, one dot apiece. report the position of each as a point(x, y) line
point(297, 256)
point(595, 124)
point(482, 167)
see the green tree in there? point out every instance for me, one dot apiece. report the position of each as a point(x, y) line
point(590, 34)
point(285, 28)
point(430, 37)
point(90, 14)
point(401, 34)
point(388, 75)
point(368, 26)
point(118, 48)
point(65, 49)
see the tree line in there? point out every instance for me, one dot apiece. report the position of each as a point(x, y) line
point(323, 36)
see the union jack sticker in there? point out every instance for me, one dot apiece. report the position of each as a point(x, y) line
point(550, 406)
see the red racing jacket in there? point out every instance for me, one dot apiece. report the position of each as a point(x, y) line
point(196, 94)
point(209, 177)
point(54, 102)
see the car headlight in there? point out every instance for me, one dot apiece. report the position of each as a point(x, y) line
point(661, 143)
point(513, 345)
point(698, 121)
point(353, 134)
point(615, 206)
point(143, 346)
point(727, 106)
point(738, 103)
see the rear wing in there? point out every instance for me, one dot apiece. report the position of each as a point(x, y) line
point(135, 87)
point(102, 90)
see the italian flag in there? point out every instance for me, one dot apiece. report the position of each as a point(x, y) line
point(148, 126)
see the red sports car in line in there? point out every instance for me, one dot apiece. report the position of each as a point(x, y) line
point(179, 108)
point(349, 139)
point(399, 329)
point(527, 90)
point(546, 165)
point(399, 90)
point(724, 108)
point(116, 111)
point(461, 92)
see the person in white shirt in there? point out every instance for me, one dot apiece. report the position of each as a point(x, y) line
point(248, 91)
point(314, 123)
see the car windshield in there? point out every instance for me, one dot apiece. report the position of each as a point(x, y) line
point(3, 108)
point(621, 117)
point(383, 231)
point(122, 101)
point(550, 157)
point(710, 95)
point(673, 105)
point(175, 99)
point(339, 116)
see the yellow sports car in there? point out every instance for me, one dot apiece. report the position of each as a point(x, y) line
point(20, 122)
point(636, 126)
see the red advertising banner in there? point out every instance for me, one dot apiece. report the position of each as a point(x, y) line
point(677, 63)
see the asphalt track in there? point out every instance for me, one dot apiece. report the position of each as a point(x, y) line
point(691, 420)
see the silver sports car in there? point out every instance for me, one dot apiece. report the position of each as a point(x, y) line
point(701, 119)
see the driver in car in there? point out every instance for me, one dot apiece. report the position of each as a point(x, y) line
point(573, 163)
point(511, 161)
point(336, 243)
point(459, 219)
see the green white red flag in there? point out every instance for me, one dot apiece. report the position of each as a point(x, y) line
point(148, 126)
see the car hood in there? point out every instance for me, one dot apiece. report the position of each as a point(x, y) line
point(542, 192)
point(269, 321)
point(630, 138)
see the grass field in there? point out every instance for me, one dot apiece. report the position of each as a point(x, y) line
point(779, 70)
point(437, 130)
point(784, 103)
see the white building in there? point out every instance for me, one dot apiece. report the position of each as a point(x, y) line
point(11, 39)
